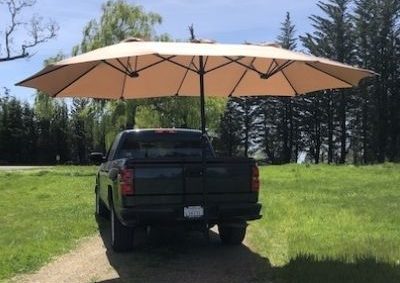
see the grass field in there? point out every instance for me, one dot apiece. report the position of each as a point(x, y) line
point(330, 223)
point(43, 213)
point(321, 223)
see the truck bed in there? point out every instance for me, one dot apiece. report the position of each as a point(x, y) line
point(164, 187)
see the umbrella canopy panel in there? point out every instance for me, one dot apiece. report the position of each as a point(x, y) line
point(155, 69)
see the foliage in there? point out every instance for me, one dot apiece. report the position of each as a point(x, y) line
point(287, 38)
point(119, 20)
point(180, 112)
point(360, 125)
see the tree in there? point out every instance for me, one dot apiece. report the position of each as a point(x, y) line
point(229, 140)
point(179, 112)
point(28, 150)
point(82, 137)
point(119, 20)
point(334, 38)
point(287, 39)
point(378, 45)
point(35, 30)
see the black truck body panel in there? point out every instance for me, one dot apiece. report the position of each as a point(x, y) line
point(164, 184)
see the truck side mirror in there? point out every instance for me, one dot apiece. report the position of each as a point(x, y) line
point(97, 158)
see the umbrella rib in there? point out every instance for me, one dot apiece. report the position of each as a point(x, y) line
point(291, 85)
point(278, 68)
point(123, 87)
point(176, 63)
point(195, 67)
point(244, 65)
point(184, 77)
point(326, 73)
point(270, 66)
point(75, 80)
point(205, 63)
point(240, 79)
point(123, 66)
point(114, 67)
point(156, 63)
point(42, 74)
point(224, 64)
point(136, 60)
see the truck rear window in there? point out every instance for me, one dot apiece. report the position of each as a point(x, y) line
point(163, 146)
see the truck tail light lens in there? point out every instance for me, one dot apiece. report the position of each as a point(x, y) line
point(126, 182)
point(255, 181)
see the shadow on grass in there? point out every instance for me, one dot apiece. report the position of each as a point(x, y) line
point(309, 269)
point(175, 256)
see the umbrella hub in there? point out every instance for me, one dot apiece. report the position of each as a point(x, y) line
point(133, 39)
point(202, 40)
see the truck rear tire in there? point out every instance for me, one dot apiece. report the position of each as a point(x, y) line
point(101, 208)
point(121, 235)
point(232, 233)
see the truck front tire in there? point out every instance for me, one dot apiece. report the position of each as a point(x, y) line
point(121, 235)
point(232, 233)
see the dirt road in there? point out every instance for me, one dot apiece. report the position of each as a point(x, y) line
point(159, 257)
point(18, 168)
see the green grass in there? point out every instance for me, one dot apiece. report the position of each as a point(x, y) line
point(320, 223)
point(42, 214)
point(330, 223)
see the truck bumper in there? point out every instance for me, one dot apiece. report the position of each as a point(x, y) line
point(147, 215)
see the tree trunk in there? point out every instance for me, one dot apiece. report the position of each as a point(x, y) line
point(330, 128)
point(343, 130)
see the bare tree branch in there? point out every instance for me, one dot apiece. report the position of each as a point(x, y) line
point(35, 29)
point(191, 31)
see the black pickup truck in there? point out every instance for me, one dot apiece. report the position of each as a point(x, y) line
point(155, 177)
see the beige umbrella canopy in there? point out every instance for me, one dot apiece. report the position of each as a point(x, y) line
point(137, 69)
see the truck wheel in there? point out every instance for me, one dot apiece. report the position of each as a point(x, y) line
point(101, 209)
point(232, 233)
point(121, 235)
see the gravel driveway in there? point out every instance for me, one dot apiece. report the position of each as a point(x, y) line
point(18, 168)
point(162, 256)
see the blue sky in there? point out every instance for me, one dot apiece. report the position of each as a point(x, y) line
point(226, 21)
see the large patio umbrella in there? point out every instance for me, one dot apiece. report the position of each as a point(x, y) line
point(138, 69)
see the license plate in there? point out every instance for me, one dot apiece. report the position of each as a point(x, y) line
point(193, 211)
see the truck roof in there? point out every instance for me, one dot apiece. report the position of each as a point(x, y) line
point(180, 130)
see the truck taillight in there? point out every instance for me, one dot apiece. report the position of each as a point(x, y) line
point(255, 181)
point(126, 182)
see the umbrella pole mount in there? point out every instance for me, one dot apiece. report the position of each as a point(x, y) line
point(203, 141)
point(202, 99)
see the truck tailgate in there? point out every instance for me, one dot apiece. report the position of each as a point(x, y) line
point(183, 178)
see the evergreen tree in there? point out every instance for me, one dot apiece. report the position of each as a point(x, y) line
point(28, 149)
point(377, 29)
point(334, 38)
point(287, 39)
point(229, 139)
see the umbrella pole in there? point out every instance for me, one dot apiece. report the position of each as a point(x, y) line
point(203, 141)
